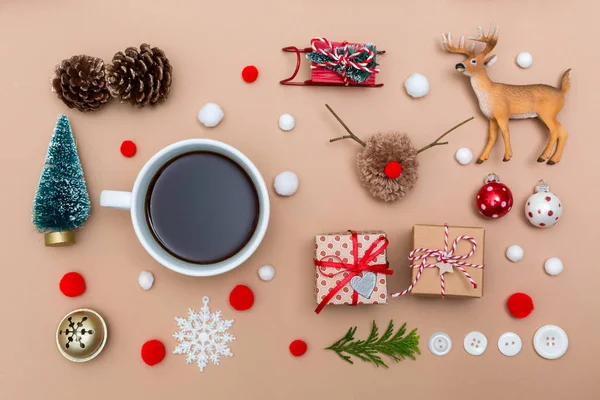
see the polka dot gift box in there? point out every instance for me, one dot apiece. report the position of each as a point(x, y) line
point(351, 268)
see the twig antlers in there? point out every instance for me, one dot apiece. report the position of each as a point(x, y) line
point(437, 142)
point(350, 136)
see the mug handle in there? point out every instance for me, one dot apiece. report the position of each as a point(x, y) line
point(115, 199)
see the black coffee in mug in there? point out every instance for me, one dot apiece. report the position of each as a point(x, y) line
point(202, 207)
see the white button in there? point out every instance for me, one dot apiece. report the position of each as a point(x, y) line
point(440, 344)
point(509, 344)
point(550, 342)
point(475, 343)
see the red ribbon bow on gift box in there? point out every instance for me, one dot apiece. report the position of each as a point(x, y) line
point(356, 268)
point(442, 256)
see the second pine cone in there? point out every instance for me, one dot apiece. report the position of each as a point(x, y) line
point(140, 77)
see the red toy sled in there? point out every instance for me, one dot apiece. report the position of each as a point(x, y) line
point(337, 64)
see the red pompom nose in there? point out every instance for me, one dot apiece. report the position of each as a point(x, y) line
point(393, 169)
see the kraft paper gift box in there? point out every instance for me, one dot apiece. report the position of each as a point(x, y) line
point(456, 284)
point(352, 281)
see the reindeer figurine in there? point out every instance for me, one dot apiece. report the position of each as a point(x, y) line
point(500, 102)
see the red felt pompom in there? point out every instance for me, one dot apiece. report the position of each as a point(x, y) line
point(520, 305)
point(153, 352)
point(298, 348)
point(241, 298)
point(250, 73)
point(128, 148)
point(72, 284)
point(393, 169)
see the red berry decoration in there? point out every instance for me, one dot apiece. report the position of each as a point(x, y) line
point(241, 298)
point(250, 73)
point(494, 199)
point(153, 352)
point(298, 348)
point(520, 305)
point(72, 284)
point(128, 148)
point(393, 169)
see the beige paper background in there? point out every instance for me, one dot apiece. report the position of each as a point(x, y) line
point(209, 43)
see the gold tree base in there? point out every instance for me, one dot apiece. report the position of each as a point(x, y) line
point(58, 239)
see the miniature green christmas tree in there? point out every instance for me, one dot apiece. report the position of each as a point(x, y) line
point(61, 203)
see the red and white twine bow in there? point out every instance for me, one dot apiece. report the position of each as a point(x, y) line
point(345, 59)
point(442, 256)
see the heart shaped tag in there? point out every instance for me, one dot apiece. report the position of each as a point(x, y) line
point(365, 284)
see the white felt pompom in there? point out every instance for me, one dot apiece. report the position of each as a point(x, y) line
point(416, 85)
point(210, 115)
point(463, 156)
point(287, 122)
point(524, 59)
point(146, 280)
point(286, 183)
point(553, 266)
point(515, 253)
point(266, 273)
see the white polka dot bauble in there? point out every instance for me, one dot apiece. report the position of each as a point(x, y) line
point(210, 115)
point(266, 273)
point(416, 85)
point(543, 208)
point(514, 253)
point(553, 266)
point(146, 280)
point(286, 183)
point(524, 59)
point(287, 122)
point(464, 156)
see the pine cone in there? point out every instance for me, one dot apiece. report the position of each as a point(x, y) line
point(140, 77)
point(79, 82)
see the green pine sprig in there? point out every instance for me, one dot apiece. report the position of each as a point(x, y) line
point(397, 346)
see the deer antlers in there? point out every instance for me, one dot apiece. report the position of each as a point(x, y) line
point(461, 49)
point(490, 40)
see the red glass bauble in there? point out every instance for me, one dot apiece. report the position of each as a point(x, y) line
point(494, 199)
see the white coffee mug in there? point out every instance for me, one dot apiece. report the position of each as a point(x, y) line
point(135, 202)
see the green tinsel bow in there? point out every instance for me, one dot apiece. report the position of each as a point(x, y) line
point(354, 74)
point(393, 345)
point(61, 202)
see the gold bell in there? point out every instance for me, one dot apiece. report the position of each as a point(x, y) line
point(59, 238)
point(81, 335)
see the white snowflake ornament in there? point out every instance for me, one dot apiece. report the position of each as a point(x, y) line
point(203, 336)
point(543, 208)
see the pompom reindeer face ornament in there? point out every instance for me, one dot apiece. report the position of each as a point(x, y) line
point(500, 102)
point(387, 164)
